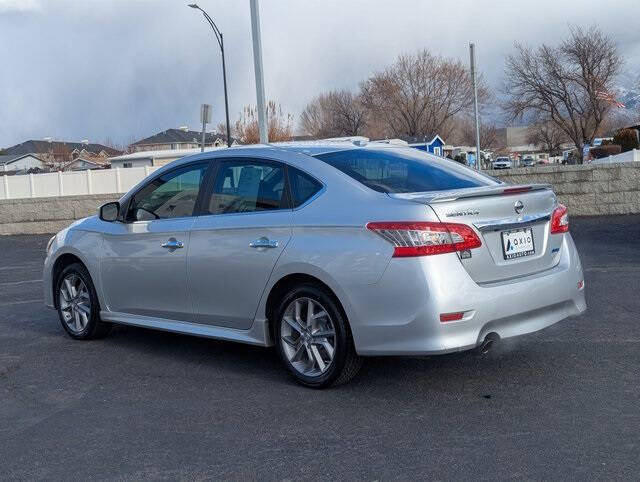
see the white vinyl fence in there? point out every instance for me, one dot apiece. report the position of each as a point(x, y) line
point(72, 183)
point(629, 156)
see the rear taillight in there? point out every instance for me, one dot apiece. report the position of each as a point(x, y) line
point(560, 220)
point(426, 238)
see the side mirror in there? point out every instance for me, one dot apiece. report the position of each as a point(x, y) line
point(109, 212)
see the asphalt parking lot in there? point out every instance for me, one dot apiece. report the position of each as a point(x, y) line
point(563, 403)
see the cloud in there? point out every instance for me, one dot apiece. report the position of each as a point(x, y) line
point(126, 69)
point(8, 6)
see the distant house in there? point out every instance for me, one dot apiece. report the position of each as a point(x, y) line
point(153, 158)
point(429, 143)
point(517, 140)
point(61, 152)
point(636, 128)
point(82, 164)
point(20, 162)
point(181, 138)
point(514, 139)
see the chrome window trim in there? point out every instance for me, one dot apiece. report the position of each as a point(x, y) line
point(264, 211)
point(159, 219)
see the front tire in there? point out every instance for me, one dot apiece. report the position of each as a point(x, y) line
point(78, 306)
point(313, 338)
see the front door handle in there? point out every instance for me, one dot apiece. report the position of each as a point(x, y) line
point(173, 244)
point(263, 243)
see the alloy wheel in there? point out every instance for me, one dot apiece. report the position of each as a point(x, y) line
point(75, 302)
point(308, 337)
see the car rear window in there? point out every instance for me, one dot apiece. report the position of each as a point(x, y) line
point(401, 170)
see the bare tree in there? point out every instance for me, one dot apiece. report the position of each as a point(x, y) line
point(419, 94)
point(464, 132)
point(109, 142)
point(336, 113)
point(567, 85)
point(547, 135)
point(375, 127)
point(246, 128)
point(129, 141)
point(349, 113)
point(221, 129)
point(317, 118)
point(61, 152)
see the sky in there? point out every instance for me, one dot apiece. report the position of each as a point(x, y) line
point(121, 70)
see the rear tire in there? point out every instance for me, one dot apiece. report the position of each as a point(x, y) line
point(78, 305)
point(313, 338)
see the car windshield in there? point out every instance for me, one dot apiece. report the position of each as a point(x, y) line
point(403, 170)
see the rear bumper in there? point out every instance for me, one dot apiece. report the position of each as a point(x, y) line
point(400, 315)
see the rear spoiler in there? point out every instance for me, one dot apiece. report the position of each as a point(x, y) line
point(452, 195)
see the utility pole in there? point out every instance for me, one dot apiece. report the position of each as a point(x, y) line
point(205, 118)
point(472, 55)
point(257, 65)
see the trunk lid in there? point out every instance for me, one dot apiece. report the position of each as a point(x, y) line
point(522, 212)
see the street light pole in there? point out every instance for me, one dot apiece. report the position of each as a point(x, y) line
point(472, 58)
point(226, 99)
point(257, 65)
point(220, 40)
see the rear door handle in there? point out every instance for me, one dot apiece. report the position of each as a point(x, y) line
point(173, 244)
point(263, 243)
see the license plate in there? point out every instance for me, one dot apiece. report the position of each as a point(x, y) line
point(517, 243)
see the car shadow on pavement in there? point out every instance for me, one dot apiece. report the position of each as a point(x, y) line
point(144, 347)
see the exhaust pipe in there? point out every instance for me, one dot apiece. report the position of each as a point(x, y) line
point(489, 341)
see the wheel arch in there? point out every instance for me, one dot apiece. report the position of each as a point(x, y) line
point(285, 283)
point(61, 262)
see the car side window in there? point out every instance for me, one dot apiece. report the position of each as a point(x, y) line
point(247, 186)
point(172, 195)
point(303, 187)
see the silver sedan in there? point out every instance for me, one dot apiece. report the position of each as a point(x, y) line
point(330, 251)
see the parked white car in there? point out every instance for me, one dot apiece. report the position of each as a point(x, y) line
point(502, 163)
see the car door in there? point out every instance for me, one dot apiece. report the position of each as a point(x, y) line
point(143, 266)
point(244, 227)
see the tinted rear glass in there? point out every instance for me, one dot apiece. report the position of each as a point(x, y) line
point(401, 170)
point(303, 186)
